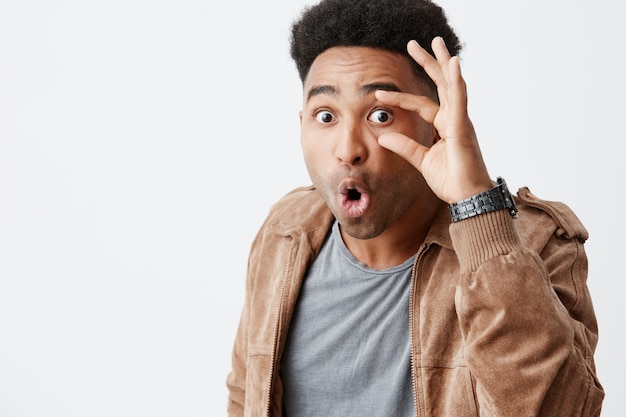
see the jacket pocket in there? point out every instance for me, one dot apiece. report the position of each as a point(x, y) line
point(449, 392)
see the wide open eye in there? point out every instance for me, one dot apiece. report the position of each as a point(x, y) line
point(380, 116)
point(324, 116)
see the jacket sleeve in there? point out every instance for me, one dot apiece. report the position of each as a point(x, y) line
point(236, 380)
point(526, 317)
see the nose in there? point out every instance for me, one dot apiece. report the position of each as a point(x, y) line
point(351, 145)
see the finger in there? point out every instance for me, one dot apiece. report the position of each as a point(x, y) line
point(432, 67)
point(458, 88)
point(422, 105)
point(426, 61)
point(454, 72)
point(441, 51)
point(455, 91)
point(443, 58)
point(407, 148)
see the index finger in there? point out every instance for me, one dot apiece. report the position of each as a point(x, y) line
point(422, 105)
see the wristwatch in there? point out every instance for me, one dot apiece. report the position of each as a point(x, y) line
point(496, 198)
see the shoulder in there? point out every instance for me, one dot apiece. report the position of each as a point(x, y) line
point(539, 220)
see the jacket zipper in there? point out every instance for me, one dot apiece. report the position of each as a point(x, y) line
point(418, 256)
point(276, 335)
point(268, 407)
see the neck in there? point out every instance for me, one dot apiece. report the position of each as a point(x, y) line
point(398, 242)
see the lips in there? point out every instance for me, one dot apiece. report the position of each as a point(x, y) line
point(354, 197)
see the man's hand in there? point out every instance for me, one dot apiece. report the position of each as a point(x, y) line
point(453, 167)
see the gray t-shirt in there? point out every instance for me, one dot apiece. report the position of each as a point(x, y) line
point(348, 348)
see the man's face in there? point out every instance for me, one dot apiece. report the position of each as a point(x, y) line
point(367, 187)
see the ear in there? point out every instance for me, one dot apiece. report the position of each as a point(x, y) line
point(300, 116)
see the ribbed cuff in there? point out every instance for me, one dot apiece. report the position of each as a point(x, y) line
point(482, 237)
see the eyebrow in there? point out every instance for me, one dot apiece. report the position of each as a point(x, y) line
point(365, 90)
point(321, 89)
point(370, 88)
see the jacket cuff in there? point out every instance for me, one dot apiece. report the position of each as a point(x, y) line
point(480, 238)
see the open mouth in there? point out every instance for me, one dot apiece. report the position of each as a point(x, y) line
point(354, 199)
point(354, 195)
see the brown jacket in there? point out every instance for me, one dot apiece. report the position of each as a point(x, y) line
point(501, 319)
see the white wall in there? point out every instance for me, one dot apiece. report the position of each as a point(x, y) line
point(142, 143)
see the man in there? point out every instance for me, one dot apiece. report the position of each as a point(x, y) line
point(405, 281)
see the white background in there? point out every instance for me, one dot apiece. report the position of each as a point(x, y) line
point(142, 143)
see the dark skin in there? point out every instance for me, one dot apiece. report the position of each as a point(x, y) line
point(453, 167)
point(381, 152)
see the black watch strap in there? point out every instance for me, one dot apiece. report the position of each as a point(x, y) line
point(496, 198)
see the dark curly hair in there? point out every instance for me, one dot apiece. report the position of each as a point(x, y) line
point(383, 24)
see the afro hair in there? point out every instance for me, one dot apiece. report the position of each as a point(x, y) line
point(382, 24)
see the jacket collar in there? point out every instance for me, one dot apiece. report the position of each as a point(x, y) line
point(303, 212)
point(439, 231)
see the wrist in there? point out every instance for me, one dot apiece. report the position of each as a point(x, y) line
point(483, 237)
point(496, 198)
